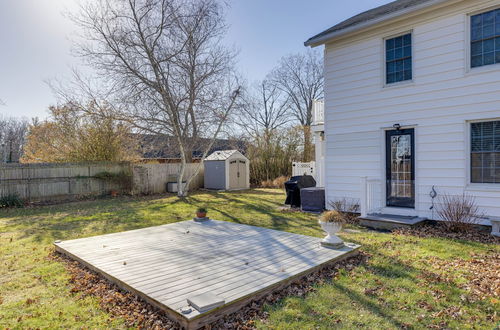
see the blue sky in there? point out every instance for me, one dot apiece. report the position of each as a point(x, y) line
point(35, 41)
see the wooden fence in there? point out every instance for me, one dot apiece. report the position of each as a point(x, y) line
point(152, 178)
point(42, 182)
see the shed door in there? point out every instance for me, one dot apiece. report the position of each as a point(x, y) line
point(242, 174)
point(233, 174)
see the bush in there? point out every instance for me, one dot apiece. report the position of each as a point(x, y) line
point(272, 154)
point(266, 184)
point(330, 216)
point(123, 178)
point(201, 210)
point(347, 210)
point(458, 212)
point(11, 201)
point(279, 182)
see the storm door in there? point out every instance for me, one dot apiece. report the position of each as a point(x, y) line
point(400, 168)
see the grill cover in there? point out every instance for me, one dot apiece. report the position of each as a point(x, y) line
point(313, 199)
point(293, 187)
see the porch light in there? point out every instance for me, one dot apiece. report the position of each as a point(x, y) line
point(397, 126)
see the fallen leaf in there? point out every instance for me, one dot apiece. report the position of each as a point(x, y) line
point(30, 301)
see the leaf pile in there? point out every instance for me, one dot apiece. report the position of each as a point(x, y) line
point(133, 310)
point(481, 272)
point(439, 231)
point(138, 313)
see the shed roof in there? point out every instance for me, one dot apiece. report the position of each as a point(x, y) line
point(375, 15)
point(223, 154)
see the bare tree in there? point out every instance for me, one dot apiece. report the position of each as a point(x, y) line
point(12, 139)
point(300, 76)
point(164, 67)
point(263, 119)
point(266, 109)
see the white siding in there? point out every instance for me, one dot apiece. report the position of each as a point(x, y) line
point(443, 96)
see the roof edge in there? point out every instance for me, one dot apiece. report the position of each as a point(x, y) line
point(319, 40)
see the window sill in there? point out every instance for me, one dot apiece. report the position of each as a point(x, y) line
point(399, 84)
point(483, 187)
point(482, 69)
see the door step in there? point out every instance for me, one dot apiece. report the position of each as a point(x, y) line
point(390, 221)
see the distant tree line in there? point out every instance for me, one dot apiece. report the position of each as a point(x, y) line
point(163, 69)
point(68, 136)
point(277, 116)
point(12, 139)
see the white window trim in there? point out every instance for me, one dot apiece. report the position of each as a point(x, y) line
point(384, 61)
point(469, 185)
point(483, 68)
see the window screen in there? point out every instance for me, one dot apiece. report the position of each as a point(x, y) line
point(398, 59)
point(485, 152)
point(485, 38)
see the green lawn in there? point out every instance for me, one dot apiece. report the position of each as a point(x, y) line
point(406, 282)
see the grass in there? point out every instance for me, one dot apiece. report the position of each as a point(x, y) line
point(392, 290)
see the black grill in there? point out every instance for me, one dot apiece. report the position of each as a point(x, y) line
point(293, 187)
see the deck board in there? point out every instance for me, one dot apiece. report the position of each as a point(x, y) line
point(167, 264)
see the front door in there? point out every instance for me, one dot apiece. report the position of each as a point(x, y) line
point(400, 168)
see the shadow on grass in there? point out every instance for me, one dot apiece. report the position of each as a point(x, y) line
point(80, 219)
point(266, 206)
point(366, 303)
point(95, 217)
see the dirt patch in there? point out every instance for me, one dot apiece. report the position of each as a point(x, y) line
point(138, 313)
point(474, 234)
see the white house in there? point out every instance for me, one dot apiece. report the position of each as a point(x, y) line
point(412, 102)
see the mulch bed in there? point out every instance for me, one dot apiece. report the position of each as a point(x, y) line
point(138, 313)
point(474, 234)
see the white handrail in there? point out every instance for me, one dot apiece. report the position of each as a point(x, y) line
point(371, 194)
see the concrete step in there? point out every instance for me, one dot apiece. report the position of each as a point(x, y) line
point(390, 221)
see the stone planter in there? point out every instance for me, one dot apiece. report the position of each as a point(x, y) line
point(331, 240)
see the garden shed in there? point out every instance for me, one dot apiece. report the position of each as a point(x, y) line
point(227, 170)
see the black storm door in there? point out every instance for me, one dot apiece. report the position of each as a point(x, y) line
point(400, 168)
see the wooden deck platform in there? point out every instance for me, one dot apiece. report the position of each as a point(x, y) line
point(167, 265)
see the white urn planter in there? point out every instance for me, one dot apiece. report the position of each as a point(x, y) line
point(331, 240)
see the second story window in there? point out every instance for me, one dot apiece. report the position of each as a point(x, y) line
point(398, 64)
point(485, 38)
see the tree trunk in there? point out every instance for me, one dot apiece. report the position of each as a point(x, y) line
point(188, 154)
point(180, 188)
point(307, 156)
point(181, 192)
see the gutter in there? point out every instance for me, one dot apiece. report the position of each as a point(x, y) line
point(317, 41)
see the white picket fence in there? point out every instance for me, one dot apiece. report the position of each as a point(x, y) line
point(299, 168)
